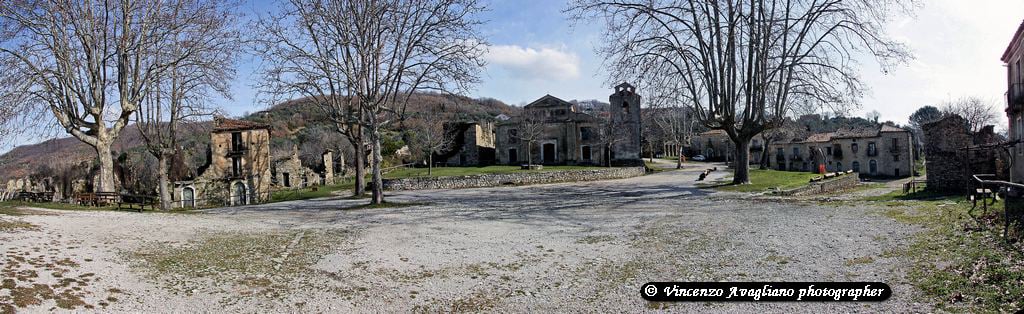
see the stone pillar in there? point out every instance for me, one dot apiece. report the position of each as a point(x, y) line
point(328, 159)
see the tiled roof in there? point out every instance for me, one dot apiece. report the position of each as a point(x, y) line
point(819, 137)
point(889, 128)
point(222, 124)
point(859, 132)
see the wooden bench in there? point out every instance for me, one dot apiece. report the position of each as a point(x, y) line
point(97, 199)
point(136, 202)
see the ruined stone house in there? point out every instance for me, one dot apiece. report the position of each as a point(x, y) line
point(472, 144)
point(237, 169)
point(572, 137)
point(950, 162)
point(290, 173)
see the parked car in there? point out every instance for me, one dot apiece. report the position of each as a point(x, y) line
point(698, 158)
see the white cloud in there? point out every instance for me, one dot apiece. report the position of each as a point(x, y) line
point(535, 64)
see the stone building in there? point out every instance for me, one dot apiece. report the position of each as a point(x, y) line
point(950, 159)
point(883, 151)
point(573, 137)
point(289, 173)
point(473, 144)
point(237, 170)
point(1013, 57)
point(714, 145)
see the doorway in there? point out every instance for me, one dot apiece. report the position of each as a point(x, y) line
point(240, 194)
point(549, 153)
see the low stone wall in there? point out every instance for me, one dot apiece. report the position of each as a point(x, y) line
point(842, 182)
point(518, 178)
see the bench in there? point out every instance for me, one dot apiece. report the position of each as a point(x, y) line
point(986, 196)
point(97, 199)
point(136, 202)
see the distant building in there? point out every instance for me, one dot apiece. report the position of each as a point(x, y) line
point(237, 170)
point(573, 137)
point(1013, 57)
point(473, 144)
point(883, 151)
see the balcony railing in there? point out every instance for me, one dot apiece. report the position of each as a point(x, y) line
point(237, 150)
point(1015, 95)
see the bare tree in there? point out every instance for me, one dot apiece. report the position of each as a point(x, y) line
point(430, 134)
point(873, 116)
point(304, 56)
point(369, 57)
point(676, 124)
point(611, 134)
point(745, 64)
point(205, 49)
point(786, 129)
point(88, 63)
point(530, 129)
point(977, 111)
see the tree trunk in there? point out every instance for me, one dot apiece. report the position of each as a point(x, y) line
point(105, 178)
point(741, 175)
point(360, 163)
point(163, 172)
point(764, 155)
point(529, 155)
point(378, 182)
point(679, 158)
point(430, 163)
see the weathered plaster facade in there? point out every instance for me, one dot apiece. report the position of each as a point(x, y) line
point(1013, 57)
point(237, 170)
point(884, 151)
point(473, 144)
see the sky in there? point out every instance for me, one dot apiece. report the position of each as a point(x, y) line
point(535, 50)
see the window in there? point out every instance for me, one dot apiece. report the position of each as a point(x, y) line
point(513, 136)
point(854, 148)
point(856, 166)
point(513, 156)
point(236, 166)
point(828, 151)
point(872, 151)
point(585, 151)
point(873, 166)
point(839, 166)
point(287, 180)
point(586, 133)
point(896, 157)
point(796, 151)
point(236, 141)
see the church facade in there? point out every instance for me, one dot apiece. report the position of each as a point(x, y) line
point(552, 131)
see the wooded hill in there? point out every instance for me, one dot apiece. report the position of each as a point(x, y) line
point(295, 123)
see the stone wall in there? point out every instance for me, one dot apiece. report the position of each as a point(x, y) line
point(945, 161)
point(518, 178)
point(843, 182)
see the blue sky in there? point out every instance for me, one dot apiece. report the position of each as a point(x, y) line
point(536, 51)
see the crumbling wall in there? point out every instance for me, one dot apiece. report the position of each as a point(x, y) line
point(943, 140)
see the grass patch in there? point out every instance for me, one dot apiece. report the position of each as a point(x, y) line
point(14, 225)
point(860, 260)
point(961, 263)
point(466, 171)
point(266, 262)
point(309, 192)
point(764, 179)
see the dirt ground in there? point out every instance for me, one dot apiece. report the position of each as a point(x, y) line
point(549, 248)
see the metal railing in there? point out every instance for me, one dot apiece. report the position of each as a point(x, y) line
point(1015, 94)
point(1010, 189)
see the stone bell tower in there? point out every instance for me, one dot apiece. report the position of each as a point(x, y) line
point(625, 120)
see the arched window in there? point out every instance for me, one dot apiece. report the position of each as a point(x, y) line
point(874, 166)
point(856, 166)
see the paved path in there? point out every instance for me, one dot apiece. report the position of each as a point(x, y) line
point(559, 247)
